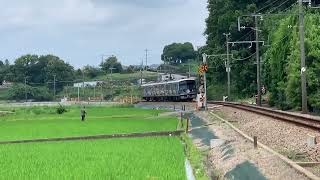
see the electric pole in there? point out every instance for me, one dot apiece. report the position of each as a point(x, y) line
point(146, 59)
point(204, 57)
point(54, 87)
point(228, 69)
point(141, 69)
point(258, 61)
point(189, 74)
point(83, 84)
point(25, 89)
point(303, 60)
point(111, 82)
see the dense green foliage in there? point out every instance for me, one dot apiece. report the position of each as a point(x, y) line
point(38, 93)
point(38, 73)
point(44, 122)
point(283, 64)
point(40, 69)
point(90, 72)
point(177, 53)
point(281, 56)
point(111, 64)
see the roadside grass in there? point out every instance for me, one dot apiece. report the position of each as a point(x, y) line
point(129, 76)
point(294, 155)
point(196, 158)
point(44, 122)
point(130, 159)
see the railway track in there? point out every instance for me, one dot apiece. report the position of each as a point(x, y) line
point(298, 119)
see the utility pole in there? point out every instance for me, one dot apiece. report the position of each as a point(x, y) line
point(258, 61)
point(111, 83)
point(189, 74)
point(83, 84)
point(25, 89)
point(141, 73)
point(146, 59)
point(228, 68)
point(79, 93)
point(303, 60)
point(54, 87)
point(204, 56)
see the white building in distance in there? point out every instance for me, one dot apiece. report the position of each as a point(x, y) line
point(87, 84)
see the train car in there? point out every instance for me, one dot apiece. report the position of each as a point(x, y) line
point(180, 90)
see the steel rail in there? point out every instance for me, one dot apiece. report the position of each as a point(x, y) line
point(302, 120)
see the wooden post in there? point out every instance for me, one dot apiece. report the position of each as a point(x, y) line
point(255, 142)
point(181, 119)
point(187, 127)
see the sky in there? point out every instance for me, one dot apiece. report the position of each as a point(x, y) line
point(81, 31)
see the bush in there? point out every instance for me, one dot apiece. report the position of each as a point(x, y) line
point(61, 109)
point(17, 92)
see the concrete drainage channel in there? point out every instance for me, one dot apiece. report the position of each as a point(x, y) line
point(243, 171)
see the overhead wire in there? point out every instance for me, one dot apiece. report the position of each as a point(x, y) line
point(267, 5)
point(242, 59)
point(290, 6)
point(279, 6)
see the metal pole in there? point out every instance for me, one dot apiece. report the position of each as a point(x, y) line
point(205, 82)
point(54, 87)
point(25, 89)
point(141, 73)
point(83, 84)
point(258, 61)
point(228, 69)
point(303, 60)
point(111, 83)
point(94, 91)
point(146, 59)
point(111, 86)
point(189, 68)
point(101, 93)
point(79, 93)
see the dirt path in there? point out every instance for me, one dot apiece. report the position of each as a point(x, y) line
point(286, 138)
point(235, 157)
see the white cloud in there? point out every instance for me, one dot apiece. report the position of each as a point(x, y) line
point(81, 30)
point(52, 13)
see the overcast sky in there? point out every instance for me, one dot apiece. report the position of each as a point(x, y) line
point(80, 31)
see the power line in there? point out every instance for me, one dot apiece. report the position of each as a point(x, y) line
point(246, 35)
point(290, 6)
point(267, 6)
point(279, 6)
point(242, 59)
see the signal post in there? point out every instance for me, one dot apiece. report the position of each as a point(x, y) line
point(202, 93)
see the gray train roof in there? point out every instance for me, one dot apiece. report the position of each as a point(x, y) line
point(168, 82)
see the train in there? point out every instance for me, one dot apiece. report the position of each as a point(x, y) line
point(178, 90)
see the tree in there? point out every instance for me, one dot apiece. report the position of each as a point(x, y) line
point(91, 71)
point(2, 73)
point(18, 90)
point(178, 53)
point(131, 69)
point(5, 73)
point(111, 62)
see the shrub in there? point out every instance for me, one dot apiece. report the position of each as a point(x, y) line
point(61, 109)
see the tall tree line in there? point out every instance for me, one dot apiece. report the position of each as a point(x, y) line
point(280, 56)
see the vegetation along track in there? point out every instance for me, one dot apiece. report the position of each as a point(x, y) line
point(302, 120)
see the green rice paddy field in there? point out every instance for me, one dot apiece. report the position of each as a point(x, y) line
point(129, 158)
